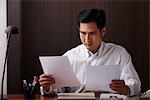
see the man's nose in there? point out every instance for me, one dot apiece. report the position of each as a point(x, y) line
point(87, 37)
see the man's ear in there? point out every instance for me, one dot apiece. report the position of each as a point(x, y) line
point(78, 27)
point(103, 31)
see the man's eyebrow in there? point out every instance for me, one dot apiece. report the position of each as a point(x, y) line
point(88, 32)
point(82, 32)
point(93, 32)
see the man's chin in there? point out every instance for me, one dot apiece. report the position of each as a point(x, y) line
point(89, 48)
point(88, 45)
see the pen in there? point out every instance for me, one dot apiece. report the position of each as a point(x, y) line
point(25, 83)
point(34, 81)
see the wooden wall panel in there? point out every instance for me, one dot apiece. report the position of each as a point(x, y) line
point(14, 50)
point(49, 28)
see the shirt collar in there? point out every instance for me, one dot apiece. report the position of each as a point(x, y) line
point(89, 53)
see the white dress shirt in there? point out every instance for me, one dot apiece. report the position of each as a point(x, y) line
point(107, 54)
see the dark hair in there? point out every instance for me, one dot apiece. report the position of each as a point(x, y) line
point(92, 15)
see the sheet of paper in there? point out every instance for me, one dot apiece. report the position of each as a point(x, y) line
point(99, 77)
point(111, 96)
point(61, 69)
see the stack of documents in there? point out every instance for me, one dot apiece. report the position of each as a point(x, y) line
point(76, 96)
point(111, 96)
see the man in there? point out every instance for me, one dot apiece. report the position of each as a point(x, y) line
point(94, 51)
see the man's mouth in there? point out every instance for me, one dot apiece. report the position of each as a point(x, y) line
point(88, 44)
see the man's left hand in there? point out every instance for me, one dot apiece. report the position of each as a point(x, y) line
point(119, 86)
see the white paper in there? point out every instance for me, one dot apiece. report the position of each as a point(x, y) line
point(99, 77)
point(108, 96)
point(60, 68)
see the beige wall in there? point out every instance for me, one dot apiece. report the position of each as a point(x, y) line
point(2, 41)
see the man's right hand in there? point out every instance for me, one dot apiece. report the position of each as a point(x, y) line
point(46, 81)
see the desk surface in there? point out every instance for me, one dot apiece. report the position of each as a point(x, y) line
point(37, 97)
point(40, 97)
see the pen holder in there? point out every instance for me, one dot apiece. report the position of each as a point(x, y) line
point(29, 92)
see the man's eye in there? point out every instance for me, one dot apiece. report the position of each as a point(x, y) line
point(83, 33)
point(92, 33)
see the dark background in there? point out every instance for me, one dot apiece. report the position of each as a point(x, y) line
point(48, 27)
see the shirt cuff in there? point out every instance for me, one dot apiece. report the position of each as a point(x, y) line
point(128, 92)
point(43, 92)
point(132, 91)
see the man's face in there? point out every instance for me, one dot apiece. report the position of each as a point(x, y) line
point(90, 36)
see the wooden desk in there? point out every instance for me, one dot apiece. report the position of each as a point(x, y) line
point(40, 97)
point(21, 97)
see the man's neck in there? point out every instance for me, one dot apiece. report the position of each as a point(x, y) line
point(94, 51)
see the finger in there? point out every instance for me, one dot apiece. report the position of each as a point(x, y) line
point(46, 83)
point(43, 75)
point(116, 86)
point(43, 79)
point(118, 81)
point(46, 79)
point(121, 89)
point(118, 90)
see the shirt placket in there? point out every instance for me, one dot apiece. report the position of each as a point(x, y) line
point(92, 60)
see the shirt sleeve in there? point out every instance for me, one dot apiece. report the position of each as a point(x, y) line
point(52, 91)
point(129, 75)
point(43, 92)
